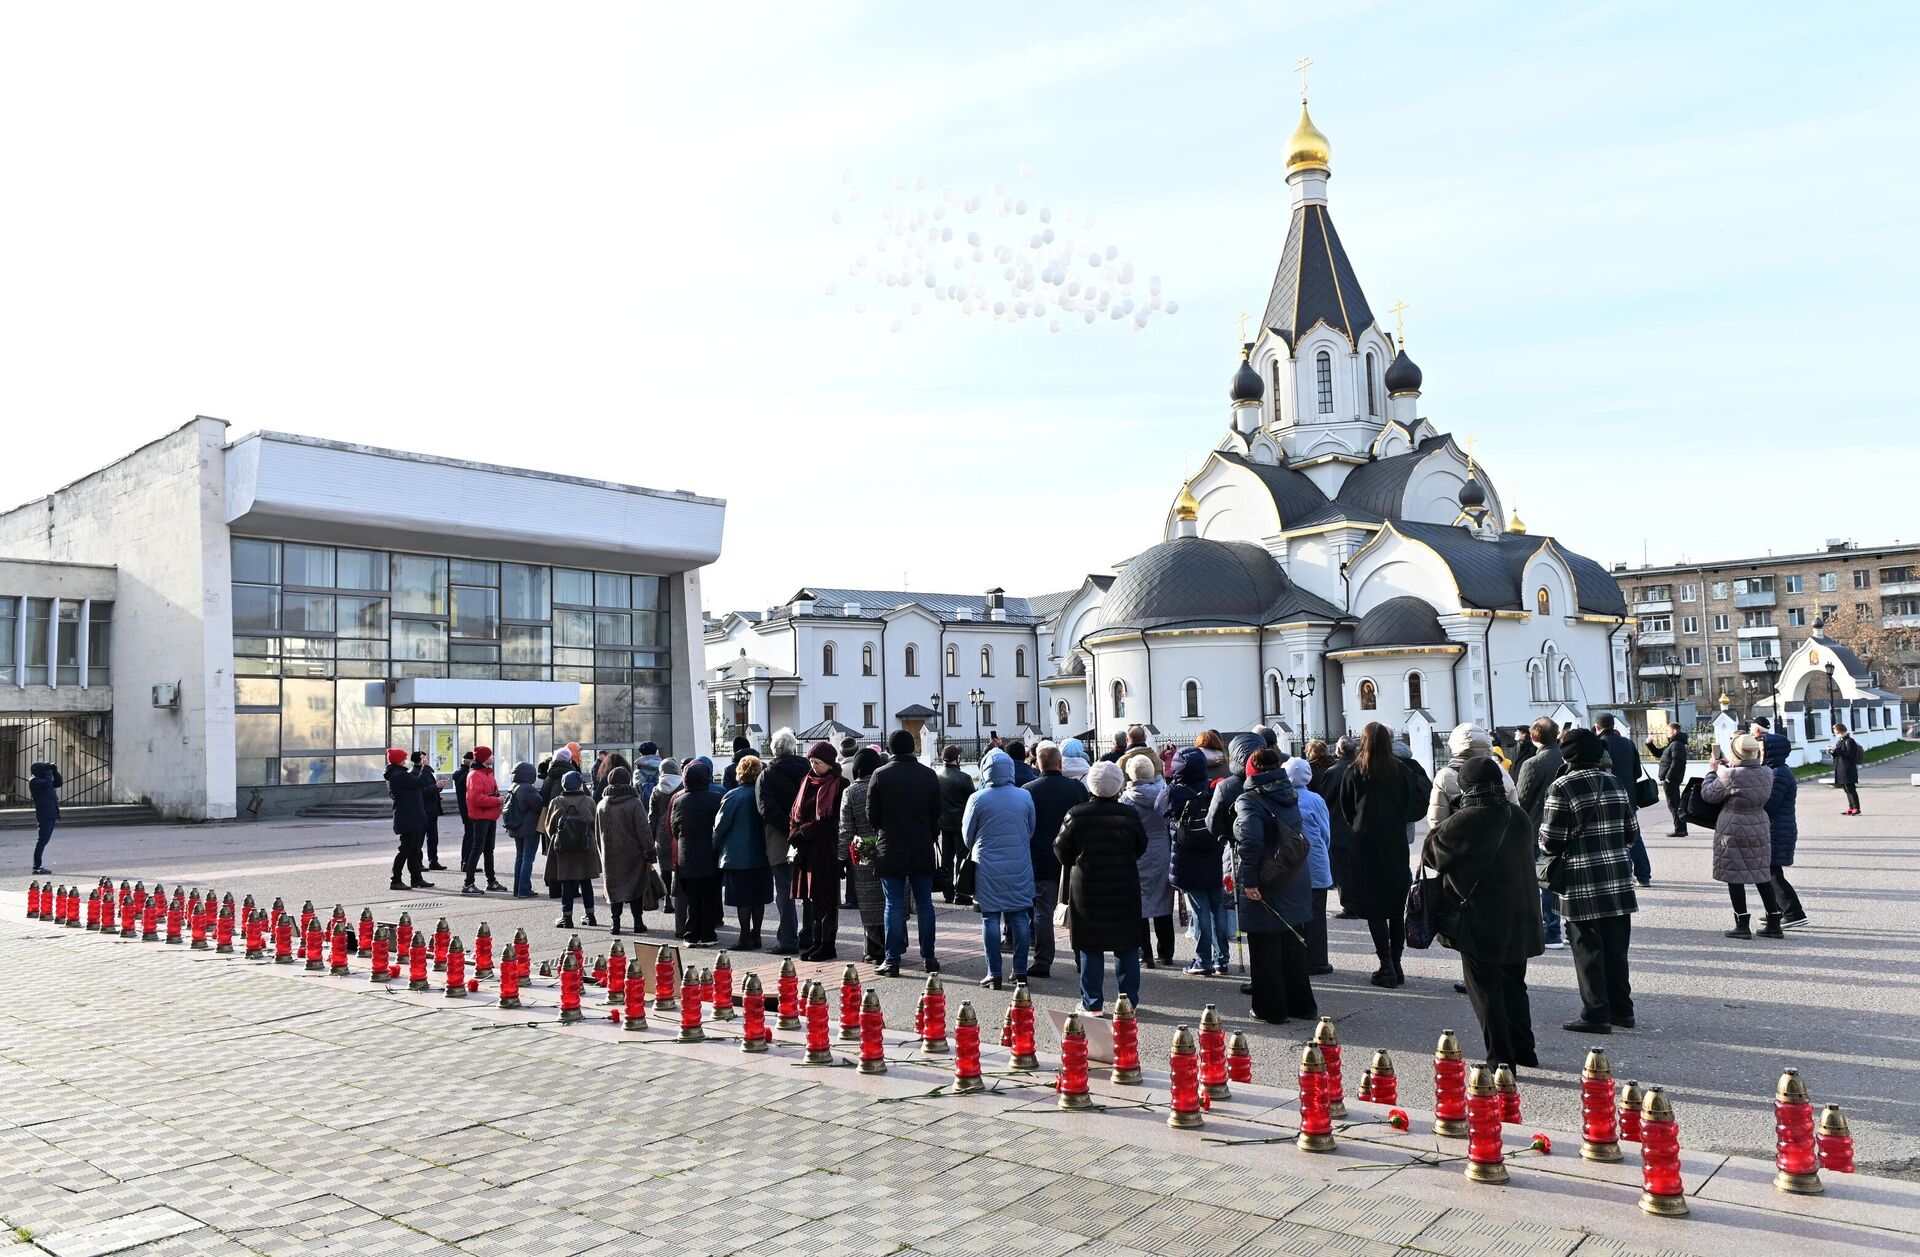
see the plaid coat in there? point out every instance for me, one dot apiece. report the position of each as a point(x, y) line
point(1593, 821)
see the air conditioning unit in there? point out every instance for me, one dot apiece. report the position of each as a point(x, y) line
point(166, 694)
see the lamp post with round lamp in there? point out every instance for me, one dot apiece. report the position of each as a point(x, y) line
point(1301, 687)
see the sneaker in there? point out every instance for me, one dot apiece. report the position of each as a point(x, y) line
point(564, 923)
point(42, 870)
point(888, 970)
point(1198, 970)
point(471, 889)
point(495, 886)
point(397, 884)
point(423, 884)
point(1794, 922)
point(436, 867)
point(930, 965)
point(1555, 944)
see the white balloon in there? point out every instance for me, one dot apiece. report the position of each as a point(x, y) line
point(997, 189)
point(1073, 289)
point(1054, 326)
point(979, 255)
point(939, 211)
point(832, 287)
point(919, 182)
point(846, 176)
point(1047, 235)
point(930, 281)
point(1089, 316)
point(1019, 207)
point(1046, 214)
point(946, 234)
point(1173, 307)
point(838, 215)
point(914, 308)
point(1093, 259)
point(1039, 309)
point(1034, 242)
point(1020, 307)
point(1026, 172)
point(894, 326)
point(1140, 319)
point(853, 194)
point(860, 259)
point(973, 238)
point(859, 307)
point(1112, 253)
point(899, 182)
point(999, 307)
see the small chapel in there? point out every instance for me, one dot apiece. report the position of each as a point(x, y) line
point(1337, 559)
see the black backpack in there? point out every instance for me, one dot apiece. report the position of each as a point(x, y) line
point(1286, 850)
point(575, 833)
point(1190, 830)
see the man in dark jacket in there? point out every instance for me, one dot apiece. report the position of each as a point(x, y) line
point(1673, 776)
point(1593, 822)
point(903, 806)
point(1054, 794)
point(1340, 834)
point(44, 785)
point(407, 789)
point(1625, 762)
point(434, 807)
point(460, 776)
point(695, 862)
point(774, 792)
point(1023, 772)
point(956, 787)
point(1531, 783)
point(1119, 749)
point(741, 749)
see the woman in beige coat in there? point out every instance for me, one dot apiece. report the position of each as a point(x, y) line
point(1742, 834)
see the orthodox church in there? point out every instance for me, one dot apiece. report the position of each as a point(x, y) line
point(1337, 559)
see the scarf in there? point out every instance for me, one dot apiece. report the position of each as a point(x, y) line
point(1488, 794)
point(817, 799)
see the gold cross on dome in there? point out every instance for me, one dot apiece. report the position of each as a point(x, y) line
point(1302, 68)
point(1399, 312)
point(1242, 320)
point(1470, 441)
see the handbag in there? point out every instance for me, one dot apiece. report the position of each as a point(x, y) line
point(1694, 806)
point(1551, 872)
point(1062, 914)
point(965, 877)
point(1646, 791)
point(1423, 910)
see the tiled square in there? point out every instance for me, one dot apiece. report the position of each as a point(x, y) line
point(1459, 1233)
point(1367, 1214)
point(1187, 1227)
point(999, 1236)
point(1082, 1205)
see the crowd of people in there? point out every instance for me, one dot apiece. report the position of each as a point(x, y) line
point(1529, 848)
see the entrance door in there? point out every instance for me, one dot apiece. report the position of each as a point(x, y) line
point(511, 744)
point(441, 744)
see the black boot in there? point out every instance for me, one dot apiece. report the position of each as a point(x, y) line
point(1740, 926)
point(1772, 927)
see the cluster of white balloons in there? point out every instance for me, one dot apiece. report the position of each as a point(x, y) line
point(991, 253)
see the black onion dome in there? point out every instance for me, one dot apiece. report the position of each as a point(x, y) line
point(1246, 384)
point(1472, 495)
point(1400, 622)
point(1402, 375)
point(1194, 580)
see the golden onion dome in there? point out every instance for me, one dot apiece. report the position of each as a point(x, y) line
point(1308, 149)
point(1515, 524)
point(1186, 506)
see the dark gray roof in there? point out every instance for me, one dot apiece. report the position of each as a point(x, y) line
point(1194, 582)
point(1295, 495)
point(829, 731)
point(1403, 621)
point(1337, 513)
point(916, 711)
point(1381, 485)
point(1490, 573)
point(1843, 655)
point(1315, 281)
point(1046, 606)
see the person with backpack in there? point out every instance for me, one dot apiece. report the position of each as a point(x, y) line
point(1379, 801)
point(1274, 884)
point(1099, 843)
point(522, 821)
point(1317, 822)
point(1197, 870)
point(573, 855)
point(1489, 907)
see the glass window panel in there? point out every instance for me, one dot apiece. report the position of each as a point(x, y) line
point(419, 584)
point(306, 613)
point(359, 767)
point(523, 672)
point(99, 642)
point(612, 630)
point(573, 588)
point(523, 592)
point(613, 661)
point(307, 565)
point(575, 723)
point(475, 654)
point(306, 770)
point(256, 735)
point(476, 612)
point(256, 667)
point(256, 692)
point(476, 671)
point(306, 648)
point(434, 716)
point(572, 657)
point(613, 713)
point(525, 644)
point(256, 646)
point(612, 590)
point(650, 629)
point(653, 727)
point(9, 641)
point(256, 607)
point(573, 628)
point(355, 721)
point(67, 644)
point(649, 593)
point(362, 617)
point(39, 638)
point(363, 569)
point(254, 772)
point(571, 672)
point(475, 572)
point(257, 562)
point(652, 696)
point(352, 649)
point(361, 667)
point(419, 640)
point(306, 715)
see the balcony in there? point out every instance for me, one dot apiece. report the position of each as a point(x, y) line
point(1747, 602)
point(1763, 630)
point(1654, 671)
point(1755, 665)
point(1664, 638)
point(1901, 621)
point(1895, 588)
point(1652, 608)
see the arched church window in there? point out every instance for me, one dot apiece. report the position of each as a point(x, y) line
point(1061, 711)
point(1273, 390)
point(913, 661)
point(1273, 694)
point(1416, 690)
point(1537, 680)
point(1552, 668)
point(866, 660)
point(1566, 679)
point(986, 661)
point(1542, 601)
point(1119, 699)
point(1369, 696)
point(1323, 378)
point(1190, 693)
point(953, 661)
point(1020, 661)
point(1373, 403)
point(828, 660)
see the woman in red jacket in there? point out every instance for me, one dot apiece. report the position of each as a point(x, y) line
point(483, 810)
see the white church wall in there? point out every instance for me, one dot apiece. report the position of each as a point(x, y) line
point(1124, 662)
point(1390, 676)
point(1223, 669)
point(1396, 568)
point(1234, 506)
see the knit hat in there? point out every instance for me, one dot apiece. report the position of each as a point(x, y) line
point(1104, 780)
point(900, 742)
point(620, 777)
point(483, 755)
point(824, 752)
point(563, 756)
point(1470, 739)
point(396, 756)
point(740, 744)
point(1142, 767)
point(1481, 784)
point(573, 783)
point(1299, 772)
point(1582, 747)
point(669, 768)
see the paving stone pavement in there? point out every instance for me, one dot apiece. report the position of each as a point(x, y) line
point(163, 1102)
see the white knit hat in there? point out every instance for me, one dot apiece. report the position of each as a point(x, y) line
point(1104, 780)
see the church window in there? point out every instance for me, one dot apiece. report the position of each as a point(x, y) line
point(953, 661)
point(828, 664)
point(1416, 691)
point(913, 661)
point(1061, 712)
point(1537, 680)
point(1373, 404)
point(1323, 377)
point(1542, 601)
point(866, 660)
point(1119, 699)
point(1190, 695)
point(986, 661)
point(1020, 661)
point(1369, 696)
point(1274, 390)
point(1552, 668)
point(1273, 694)
point(1566, 680)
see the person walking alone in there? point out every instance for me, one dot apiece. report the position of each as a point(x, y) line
point(406, 788)
point(998, 829)
point(1592, 821)
point(1099, 843)
point(904, 807)
point(1490, 912)
point(479, 794)
point(1742, 834)
point(1846, 768)
point(1378, 802)
point(44, 785)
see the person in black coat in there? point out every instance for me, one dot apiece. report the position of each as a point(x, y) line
point(1054, 795)
point(435, 809)
point(1490, 908)
point(1340, 834)
point(696, 863)
point(1673, 776)
point(44, 785)
point(956, 787)
point(775, 791)
point(1624, 762)
point(460, 776)
point(408, 792)
point(742, 748)
point(1378, 801)
point(1273, 917)
point(903, 807)
point(1100, 844)
point(1846, 768)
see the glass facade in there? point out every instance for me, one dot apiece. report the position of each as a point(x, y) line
point(313, 624)
point(36, 648)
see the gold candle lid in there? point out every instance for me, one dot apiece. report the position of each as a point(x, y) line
point(1790, 1090)
point(1480, 1081)
point(1382, 1064)
point(1311, 1062)
point(1448, 1048)
point(1325, 1033)
point(1597, 1065)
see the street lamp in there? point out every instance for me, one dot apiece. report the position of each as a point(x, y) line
point(741, 698)
point(1673, 668)
point(1301, 688)
point(1833, 699)
point(976, 698)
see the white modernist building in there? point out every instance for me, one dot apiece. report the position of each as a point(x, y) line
point(1336, 560)
point(283, 608)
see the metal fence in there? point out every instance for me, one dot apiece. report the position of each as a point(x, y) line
point(78, 744)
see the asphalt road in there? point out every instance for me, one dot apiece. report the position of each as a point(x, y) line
point(1718, 1019)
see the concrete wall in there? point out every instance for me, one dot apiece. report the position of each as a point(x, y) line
point(157, 516)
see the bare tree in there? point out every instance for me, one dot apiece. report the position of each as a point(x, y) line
point(1881, 649)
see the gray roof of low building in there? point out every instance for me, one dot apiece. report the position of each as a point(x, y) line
point(1490, 573)
point(1046, 606)
point(1315, 281)
point(1404, 621)
point(830, 731)
point(1195, 582)
point(1294, 493)
point(871, 604)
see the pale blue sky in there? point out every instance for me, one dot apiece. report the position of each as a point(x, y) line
point(1660, 257)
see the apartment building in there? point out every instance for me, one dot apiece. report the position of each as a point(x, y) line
point(1725, 626)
